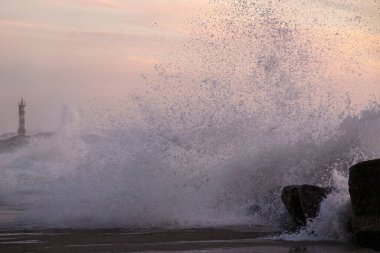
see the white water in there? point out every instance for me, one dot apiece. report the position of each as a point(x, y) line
point(144, 177)
point(208, 147)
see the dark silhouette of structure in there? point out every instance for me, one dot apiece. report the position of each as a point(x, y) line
point(21, 113)
point(11, 142)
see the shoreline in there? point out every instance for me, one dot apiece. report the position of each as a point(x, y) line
point(228, 239)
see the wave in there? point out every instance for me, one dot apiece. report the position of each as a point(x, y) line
point(144, 177)
point(202, 148)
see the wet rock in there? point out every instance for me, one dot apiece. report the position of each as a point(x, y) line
point(364, 188)
point(303, 202)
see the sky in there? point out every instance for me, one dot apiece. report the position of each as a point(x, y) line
point(62, 52)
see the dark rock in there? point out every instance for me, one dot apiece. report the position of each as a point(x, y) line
point(367, 239)
point(364, 188)
point(303, 201)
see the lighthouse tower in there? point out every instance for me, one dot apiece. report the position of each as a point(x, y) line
point(21, 114)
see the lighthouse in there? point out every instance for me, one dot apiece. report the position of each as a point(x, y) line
point(21, 114)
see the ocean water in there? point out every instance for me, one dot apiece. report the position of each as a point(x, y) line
point(209, 141)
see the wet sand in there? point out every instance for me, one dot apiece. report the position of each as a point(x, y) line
point(231, 239)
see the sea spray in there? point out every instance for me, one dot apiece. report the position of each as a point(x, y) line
point(333, 220)
point(249, 105)
point(147, 178)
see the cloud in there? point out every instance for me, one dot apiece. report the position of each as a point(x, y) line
point(143, 16)
point(113, 4)
point(102, 3)
point(175, 7)
point(24, 24)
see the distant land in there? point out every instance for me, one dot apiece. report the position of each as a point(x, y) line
point(12, 141)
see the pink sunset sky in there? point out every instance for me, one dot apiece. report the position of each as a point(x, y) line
point(58, 52)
